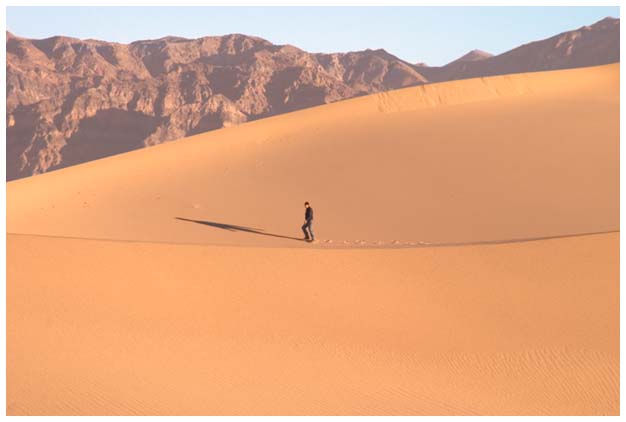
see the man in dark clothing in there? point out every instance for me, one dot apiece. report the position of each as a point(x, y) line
point(308, 221)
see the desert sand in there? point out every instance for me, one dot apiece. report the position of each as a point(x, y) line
point(467, 263)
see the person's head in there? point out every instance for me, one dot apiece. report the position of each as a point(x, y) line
point(306, 205)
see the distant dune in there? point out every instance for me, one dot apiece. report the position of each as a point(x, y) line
point(170, 280)
point(487, 159)
point(70, 101)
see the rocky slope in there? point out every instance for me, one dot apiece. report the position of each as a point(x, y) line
point(71, 101)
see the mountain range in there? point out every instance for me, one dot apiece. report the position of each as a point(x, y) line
point(70, 101)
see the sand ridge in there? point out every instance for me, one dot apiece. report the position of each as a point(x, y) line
point(337, 244)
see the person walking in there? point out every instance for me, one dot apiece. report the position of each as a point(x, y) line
point(308, 221)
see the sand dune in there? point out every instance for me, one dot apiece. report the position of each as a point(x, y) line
point(165, 317)
point(504, 157)
point(101, 327)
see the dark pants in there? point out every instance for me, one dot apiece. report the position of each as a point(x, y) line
point(307, 226)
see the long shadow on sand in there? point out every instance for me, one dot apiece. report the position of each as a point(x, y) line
point(233, 228)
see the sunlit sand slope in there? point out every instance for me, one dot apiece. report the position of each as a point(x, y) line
point(99, 327)
point(498, 158)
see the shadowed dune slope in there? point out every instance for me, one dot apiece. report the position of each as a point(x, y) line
point(101, 327)
point(497, 158)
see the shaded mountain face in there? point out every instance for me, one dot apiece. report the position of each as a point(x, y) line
point(587, 46)
point(71, 101)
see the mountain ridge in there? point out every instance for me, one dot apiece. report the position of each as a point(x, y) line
point(70, 101)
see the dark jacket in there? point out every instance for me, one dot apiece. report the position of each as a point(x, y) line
point(308, 214)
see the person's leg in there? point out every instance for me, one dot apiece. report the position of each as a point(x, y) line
point(311, 229)
point(304, 227)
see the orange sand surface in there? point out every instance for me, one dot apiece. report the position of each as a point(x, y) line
point(101, 327)
point(171, 280)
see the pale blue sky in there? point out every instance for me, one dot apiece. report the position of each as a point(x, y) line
point(435, 35)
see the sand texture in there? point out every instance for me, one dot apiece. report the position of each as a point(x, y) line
point(467, 262)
